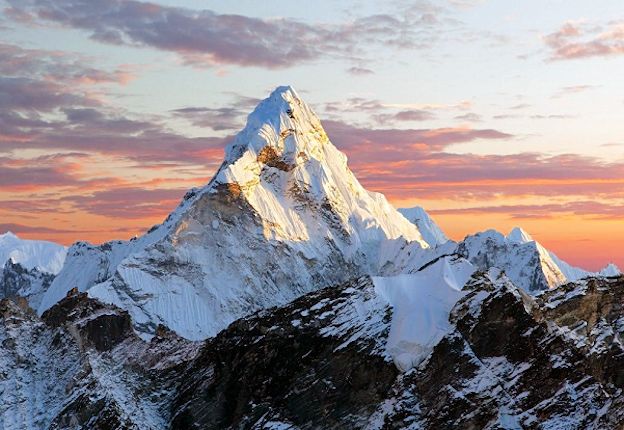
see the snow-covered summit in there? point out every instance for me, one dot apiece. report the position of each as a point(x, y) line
point(281, 115)
point(32, 254)
point(283, 158)
point(571, 273)
point(610, 270)
point(283, 215)
point(518, 235)
point(430, 231)
point(526, 263)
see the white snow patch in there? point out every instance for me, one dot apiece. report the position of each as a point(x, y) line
point(421, 305)
point(32, 254)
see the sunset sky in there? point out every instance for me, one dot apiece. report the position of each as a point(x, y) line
point(490, 114)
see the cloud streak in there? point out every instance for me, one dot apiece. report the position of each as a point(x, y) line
point(419, 163)
point(575, 40)
point(203, 37)
point(592, 209)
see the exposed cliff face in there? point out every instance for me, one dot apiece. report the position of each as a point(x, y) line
point(319, 361)
point(501, 368)
point(81, 366)
point(591, 315)
point(504, 365)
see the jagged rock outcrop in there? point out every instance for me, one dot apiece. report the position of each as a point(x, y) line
point(504, 366)
point(18, 281)
point(81, 366)
point(506, 360)
point(318, 362)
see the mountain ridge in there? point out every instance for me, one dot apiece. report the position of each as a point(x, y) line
point(284, 202)
point(282, 213)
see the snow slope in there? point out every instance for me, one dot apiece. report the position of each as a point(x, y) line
point(431, 232)
point(421, 304)
point(32, 254)
point(610, 270)
point(284, 215)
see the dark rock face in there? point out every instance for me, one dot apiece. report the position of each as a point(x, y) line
point(591, 314)
point(503, 368)
point(82, 367)
point(99, 325)
point(316, 363)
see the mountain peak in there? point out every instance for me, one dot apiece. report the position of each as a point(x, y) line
point(518, 235)
point(282, 128)
point(610, 270)
point(284, 215)
point(8, 235)
point(430, 231)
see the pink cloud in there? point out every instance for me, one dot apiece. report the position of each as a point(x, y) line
point(577, 40)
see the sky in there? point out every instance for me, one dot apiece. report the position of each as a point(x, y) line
point(489, 114)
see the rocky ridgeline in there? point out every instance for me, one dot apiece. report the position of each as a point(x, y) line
point(511, 361)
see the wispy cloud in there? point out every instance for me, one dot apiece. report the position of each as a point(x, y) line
point(419, 163)
point(128, 202)
point(589, 208)
point(572, 89)
point(58, 66)
point(360, 71)
point(205, 38)
point(229, 118)
point(575, 40)
point(40, 230)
